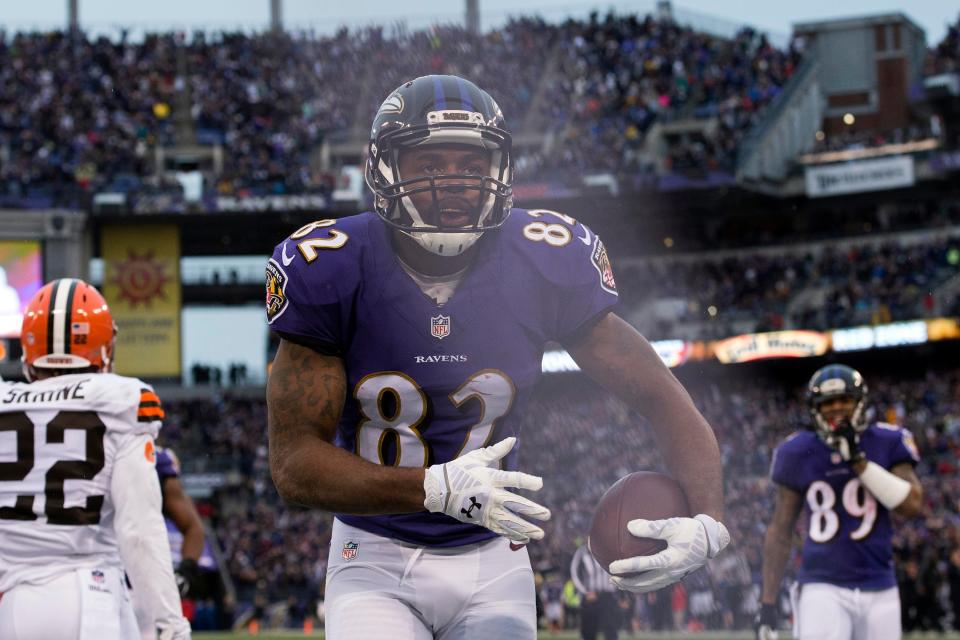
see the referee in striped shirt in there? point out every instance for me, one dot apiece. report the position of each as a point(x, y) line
point(600, 610)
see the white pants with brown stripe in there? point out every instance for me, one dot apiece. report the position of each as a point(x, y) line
point(391, 589)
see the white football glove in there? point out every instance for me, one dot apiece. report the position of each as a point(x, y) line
point(470, 489)
point(690, 543)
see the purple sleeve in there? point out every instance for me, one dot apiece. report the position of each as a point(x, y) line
point(783, 468)
point(573, 266)
point(303, 300)
point(590, 289)
point(904, 449)
point(168, 465)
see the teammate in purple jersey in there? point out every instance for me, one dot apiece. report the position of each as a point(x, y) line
point(411, 338)
point(848, 476)
point(179, 509)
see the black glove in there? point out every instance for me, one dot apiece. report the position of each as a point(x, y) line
point(845, 440)
point(767, 622)
point(187, 574)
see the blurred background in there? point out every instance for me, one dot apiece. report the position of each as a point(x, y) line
point(777, 187)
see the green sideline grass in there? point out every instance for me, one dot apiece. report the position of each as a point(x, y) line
point(567, 635)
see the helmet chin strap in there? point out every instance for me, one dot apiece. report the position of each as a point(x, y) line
point(440, 243)
point(444, 244)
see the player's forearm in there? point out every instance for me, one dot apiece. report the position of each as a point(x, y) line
point(321, 475)
point(192, 545)
point(618, 357)
point(305, 396)
point(689, 448)
point(902, 488)
point(776, 553)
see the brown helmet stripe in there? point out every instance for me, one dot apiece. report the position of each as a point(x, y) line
point(61, 308)
point(50, 308)
point(68, 317)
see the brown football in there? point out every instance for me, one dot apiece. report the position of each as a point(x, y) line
point(644, 494)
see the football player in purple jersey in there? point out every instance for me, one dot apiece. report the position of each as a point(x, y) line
point(848, 475)
point(411, 338)
point(178, 507)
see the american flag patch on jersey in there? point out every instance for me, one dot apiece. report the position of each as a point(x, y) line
point(149, 409)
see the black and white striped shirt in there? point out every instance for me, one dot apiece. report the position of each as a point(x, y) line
point(587, 574)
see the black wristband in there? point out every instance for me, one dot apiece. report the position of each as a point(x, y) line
point(188, 568)
point(769, 615)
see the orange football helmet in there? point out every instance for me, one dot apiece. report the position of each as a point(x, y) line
point(67, 325)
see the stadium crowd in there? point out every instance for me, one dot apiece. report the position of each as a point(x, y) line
point(581, 440)
point(823, 288)
point(75, 112)
point(79, 114)
point(620, 74)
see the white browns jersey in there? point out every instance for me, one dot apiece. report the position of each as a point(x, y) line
point(59, 438)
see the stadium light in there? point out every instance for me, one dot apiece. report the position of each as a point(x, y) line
point(848, 119)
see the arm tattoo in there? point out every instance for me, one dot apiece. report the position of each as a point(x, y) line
point(305, 395)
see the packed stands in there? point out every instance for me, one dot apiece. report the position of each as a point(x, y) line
point(81, 114)
point(621, 74)
point(74, 113)
point(818, 287)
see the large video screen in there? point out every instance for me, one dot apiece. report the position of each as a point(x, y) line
point(21, 276)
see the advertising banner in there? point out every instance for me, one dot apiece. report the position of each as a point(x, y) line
point(861, 176)
point(776, 344)
point(141, 283)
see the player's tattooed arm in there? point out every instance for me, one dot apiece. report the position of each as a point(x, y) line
point(305, 396)
point(614, 354)
point(778, 541)
point(913, 505)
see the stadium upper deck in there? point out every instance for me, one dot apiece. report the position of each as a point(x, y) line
point(80, 115)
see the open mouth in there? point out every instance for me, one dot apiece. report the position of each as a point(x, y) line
point(455, 216)
point(454, 219)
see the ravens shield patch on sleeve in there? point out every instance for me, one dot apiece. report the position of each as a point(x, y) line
point(276, 291)
point(601, 262)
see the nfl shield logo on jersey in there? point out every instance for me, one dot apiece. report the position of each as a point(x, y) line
point(98, 576)
point(440, 327)
point(350, 550)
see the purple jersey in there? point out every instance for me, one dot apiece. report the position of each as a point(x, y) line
point(427, 383)
point(168, 465)
point(848, 540)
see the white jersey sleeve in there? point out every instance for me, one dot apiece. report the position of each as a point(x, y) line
point(59, 441)
point(142, 534)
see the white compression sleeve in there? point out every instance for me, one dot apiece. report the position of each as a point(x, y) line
point(142, 535)
point(888, 488)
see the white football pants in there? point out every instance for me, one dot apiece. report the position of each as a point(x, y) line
point(829, 612)
point(391, 589)
point(82, 604)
